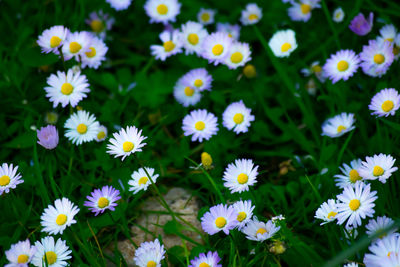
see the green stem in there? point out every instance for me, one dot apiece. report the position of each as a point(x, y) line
point(44, 194)
point(62, 58)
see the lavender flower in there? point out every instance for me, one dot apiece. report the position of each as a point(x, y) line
point(48, 137)
point(102, 199)
point(360, 26)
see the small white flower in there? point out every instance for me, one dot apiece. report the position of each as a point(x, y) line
point(251, 14)
point(192, 35)
point(52, 39)
point(381, 250)
point(315, 69)
point(200, 124)
point(302, 11)
point(338, 125)
point(126, 142)
point(206, 16)
point(342, 65)
point(9, 178)
point(149, 254)
point(162, 11)
point(76, 44)
point(140, 180)
point(260, 231)
point(119, 4)
point(81, 127)
point(377, 167)
point(387, 33)
point(50, 253)
point(283, 43)
point(96, 55)
point(171, 45)
point(349, 174)
point(237, 117)
point(101, 134)
point(198, 79)
point(338, 15)
point(233, 31)
point(244, 210)
point(239, 54)
point(379, 225)
point(240, 175)
point(185, 94)
point(327, 211)
point(20, 254)
point(385, 103)
point(216, 47)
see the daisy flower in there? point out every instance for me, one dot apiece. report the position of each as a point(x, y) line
point(237, 117)
point(206, 16)
point(209, 260)
point(186, 95)
point(392, 260)
point(171, 45)
point(360, 25)
point(76, 44)
point(239, 54)
point(260, 231)
point(102, 199)
point(338, 125)
point(126, 142)
point(338, 15)
point(349, 174)
point(251, 14)
point(55, 219)
point(149, 254)
point(302, 11)
point(352, 264)
point(381, 250)
point(233, 31)
point(96, 54)
point(315, 69)
point(396, 47)
point(380, 225)
point(50, 253)
point(376, 58)
point(385, 103)
point(101, 134)
point(200, 124)
point(240, 175)
point(356, 203)
point(283, 43)
point(52, 39)
point(327, 211)
point(67, 88)
point(48, 137)
point(20, 254)
point(119, 4)
point(100, 22)
point(216, 47)
point(140, 180)
point(9, 178)
point(198, 79)
point(387, 33)
point(192, 35)
point(162, 11)
point(220, 218)
point(244, 210)
point(342, 65)
point(377, 167)
point(81, 127)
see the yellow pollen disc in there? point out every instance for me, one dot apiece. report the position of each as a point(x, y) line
point(103, 202)
point(387, 106)
point(101, 135)
point(206, 159)
point(316, 69)
point(200, 125)
point(162, 9)
point(238, 118)
point(241, 216)
point(230, 35)
point(331, 214)
point(151, 264)
point(378, 171)
point(217, 50)
point(97, 25)
point(340, 128)
point(205, 17)
point(55, 41)
point(189, 91)
point(61, 219)
point(253, 17)
point(236, 57)
point(249, 71)
point(354, 176)
point(242, 178)
point(389, 253)
point(261, 231)
point(342, 65)
point(285, 47)
point(305, 9)
point(203, 264)
point(91, 53)
point(193, 39)
point(220, 222)
point(354, 204)
point(389, 39)
point(143, 180)
point(51, 257)
point(82, 128)
point(23, 258)
point(168, 46)
point(4, 180)
point(198, 83)
point(127, 146)
point(379, 58)
point(66, 88)
point(74, 47)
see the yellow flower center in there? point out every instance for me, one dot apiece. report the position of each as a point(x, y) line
point(169, 46)
point(66, 88)
point(55, 41)
point(285, 47)
point(217, 50)
point(200, 125)
point(316, 69)
point(253, 17)
point(354, 204)
point(74, 47)
point(82, 128)
point(97, 25)
point(389, 39)
point(342, 65)
point(50, 257)
point(103, 202)
point(101, 135)
point(23, 258)
point(4, 180)
point(198, 83)
point(189, 91)
point(241, 216)
point(220, 222)
point(236, 57)
point(354, 176)
point(127, 146)
point(378, 171)
point(305, 9)
point(206, 159)
point(205, 17)
point(340, 128)
point(238, 118)
point(203, 264)
point(261, 231)
point(162, 9)
point(193, 39)
point(379, 58)
point(249, 71)
point(61, 219)
point(91, 53)
point(242, 178)
point(387, 106)
point(143, 180)
point(331, 214)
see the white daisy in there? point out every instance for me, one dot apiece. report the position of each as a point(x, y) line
point(356, 203)
point(233, 31)
point(198, 79)
point(206, 16)
point(376, 58)
point(220, 218)
point(101, 134)
point(186, 95)
point(283, 43)
point(244, 210)
point(302, 11)
point(55, 219)
point(9, 178)
point(381, 250)
point(251, 14)
point(387, 33)
point(94, 58)
point(69, 88)
point(239, 54)
point(81, 127)
point(200, 124)
point(149, 254)
point(338, 15)
point(119, 4)
point(338, 125)
point(315, 69)
point(327, 211)
point(380, 225)
point(192, 35)
point(52, 39)
point(240, 175)
point(377, 167)
point(260, 231)
point(100, 22)
point(140, 180)
point(396, 47)
point(172, 45)
point(126, 142)
point(76, 44)
point(237, 117)
point(50, 253)
point(216, 47)
point(20, 254)
point(349, 174)
point(342, 65)
point(162, 11)
point(385, 103)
